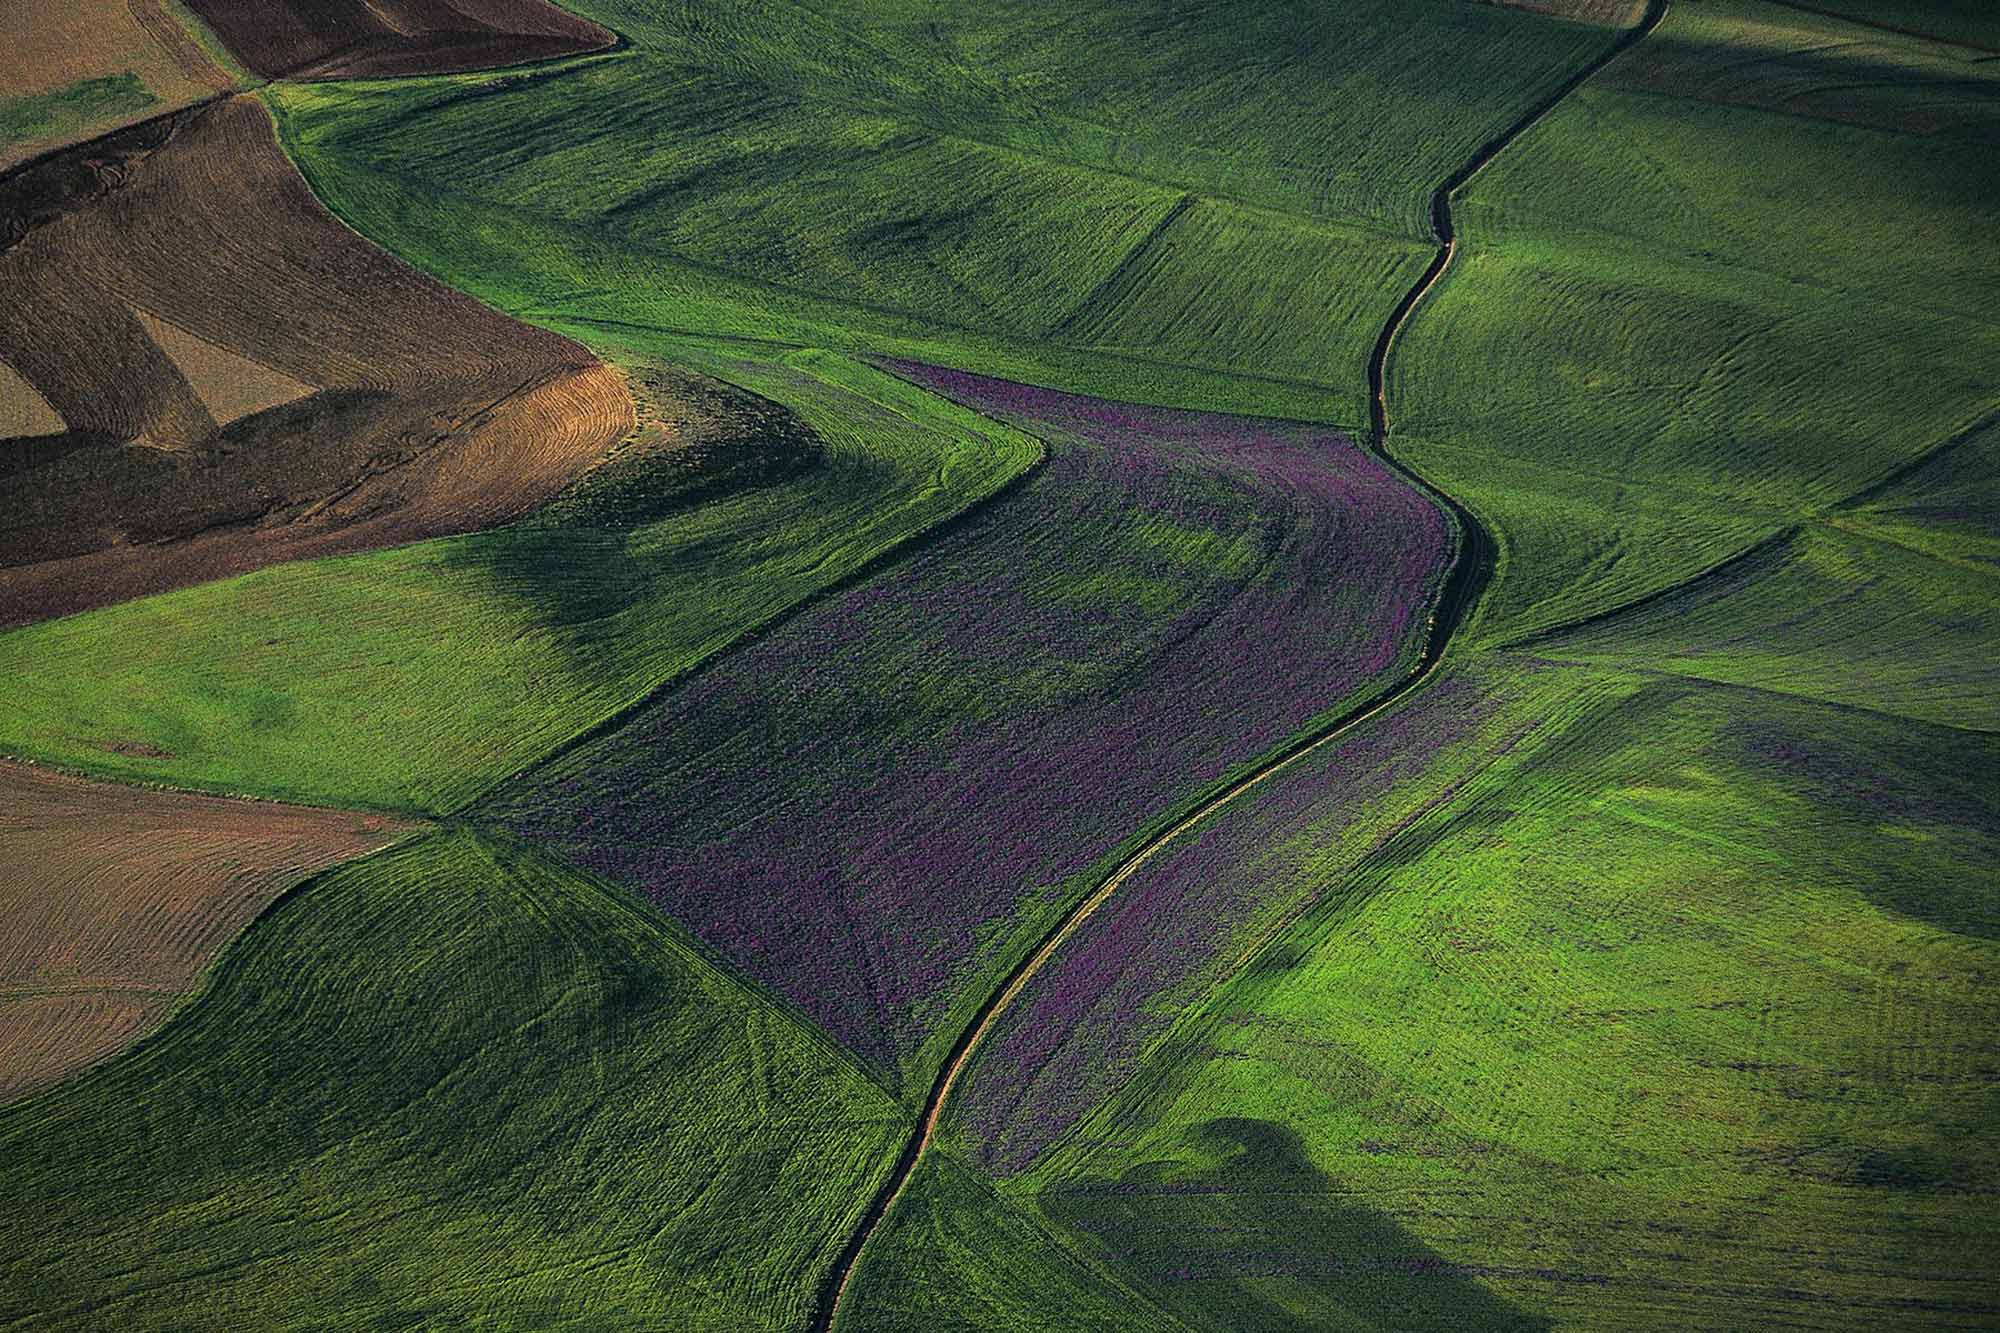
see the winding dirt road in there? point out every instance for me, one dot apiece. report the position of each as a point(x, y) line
point(1468, 579)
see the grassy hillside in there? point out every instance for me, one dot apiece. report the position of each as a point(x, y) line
point(449, 1085)
point(1178, 205)
point(415, 677)
point(957, 1256)
point(1679, 1011)
point(1859, 621)
point(1687, 312)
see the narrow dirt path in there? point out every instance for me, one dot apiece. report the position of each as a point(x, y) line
point(1467, 580)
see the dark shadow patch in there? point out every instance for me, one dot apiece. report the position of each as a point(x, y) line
point(1262, 1239)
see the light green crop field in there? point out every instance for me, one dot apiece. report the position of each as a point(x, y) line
point(957, 1255)
point(322, 681)
point(1724, 286)
point(448, 1085)
point(1191, 208)
point(1859, 621)
point(1677, 1012)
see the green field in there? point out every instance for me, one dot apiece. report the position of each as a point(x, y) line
point(1677, 325)
point(448, 1085)
point(1597, 1038)
point(414, 678)
point(986, 188)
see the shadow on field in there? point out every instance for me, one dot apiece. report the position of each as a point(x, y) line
point(1263, 1239)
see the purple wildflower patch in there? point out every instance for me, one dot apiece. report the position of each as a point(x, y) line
point(858, 808)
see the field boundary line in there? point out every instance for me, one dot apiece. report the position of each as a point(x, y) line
point(1861, 22)
point(1782, 537)
point(1876, 489)
point(1469, 575)
point(867, 569)
point(1126, 263)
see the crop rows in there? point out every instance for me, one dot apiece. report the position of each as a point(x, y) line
point(115, 900)
point(458, 1083)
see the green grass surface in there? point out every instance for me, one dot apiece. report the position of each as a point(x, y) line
point(1719, 317)
point(447, 1086)
point(956, 1255)
point(1971, 21)
point(68, 109)
point(1678, 1012)
point(1862, 621)
point(414, 678)
point(1219, 215)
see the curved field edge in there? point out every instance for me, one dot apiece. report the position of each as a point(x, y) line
point(881, 804)
point(414, 678)
point(1636, 373)
point(236, 379)
point(116, 900)
point(1467, 578)
point(372, 1023)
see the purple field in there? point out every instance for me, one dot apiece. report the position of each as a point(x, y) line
point(865, 808)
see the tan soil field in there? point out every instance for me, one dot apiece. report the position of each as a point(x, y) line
point(22, 410)
point(113, 899)
point(359, 39)
point(241, 380)
point(48, 45)
point(230, 385)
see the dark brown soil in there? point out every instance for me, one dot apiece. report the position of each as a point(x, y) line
point(369, 39)
point(397, 408)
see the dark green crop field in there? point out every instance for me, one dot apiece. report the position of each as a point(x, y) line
point(1245, 666)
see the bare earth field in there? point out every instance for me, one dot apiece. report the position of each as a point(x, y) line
point(368, 39)
point(113, 899)
point(237, 379)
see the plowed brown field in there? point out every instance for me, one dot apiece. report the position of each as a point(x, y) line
point(112, 900)
point(242, 380)
point(357, 39)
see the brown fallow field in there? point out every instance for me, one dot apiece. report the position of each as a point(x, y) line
point(364, 39)
point(47, 46)
point(204, 372)
point(113, 899)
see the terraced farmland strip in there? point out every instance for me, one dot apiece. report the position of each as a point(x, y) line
point(448, 1084)
point(113, 900)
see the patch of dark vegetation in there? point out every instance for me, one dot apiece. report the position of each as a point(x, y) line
point(77, 104)
point(1263, 1239)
